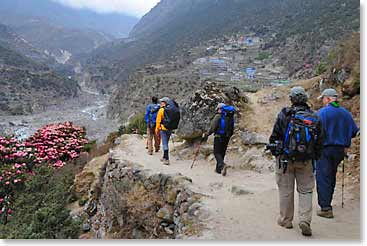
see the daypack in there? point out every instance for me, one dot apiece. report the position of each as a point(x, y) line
point(301, 136)
point(226, 124)
point(152, 116)
point(171, 115)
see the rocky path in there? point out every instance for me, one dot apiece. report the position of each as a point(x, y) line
point(244, 204)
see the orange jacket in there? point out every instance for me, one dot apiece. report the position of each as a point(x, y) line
point(158, 125)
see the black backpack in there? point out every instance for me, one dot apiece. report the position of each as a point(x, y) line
point(226, 124)
point(301, 135)
point(171, 115)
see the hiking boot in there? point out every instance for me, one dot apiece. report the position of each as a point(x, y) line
point(288, 225)
point(305, 228)
point(224, 170)
point(216, 171)
point(326, 214)
point(166, 162)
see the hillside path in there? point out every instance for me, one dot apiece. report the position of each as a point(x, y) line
point(245, 217)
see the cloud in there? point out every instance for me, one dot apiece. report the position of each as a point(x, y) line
point(130, 7)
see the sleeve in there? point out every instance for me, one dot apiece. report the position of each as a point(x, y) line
point(159, 119)
point(355, 128)
point(321, 115)
point(319, 141)
point(278, 129)
point(146, 118)
point(214, 124)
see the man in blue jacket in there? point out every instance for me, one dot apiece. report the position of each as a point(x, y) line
point(339, 128)
point(150, 119)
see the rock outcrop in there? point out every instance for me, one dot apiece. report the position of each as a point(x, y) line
point(198, 110)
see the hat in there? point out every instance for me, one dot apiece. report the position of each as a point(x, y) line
point(220, 105)
point(297, 90)
point(328, 93)
point(164, 99)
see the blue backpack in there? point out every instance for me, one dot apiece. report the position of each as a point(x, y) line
point(226, 126)
point(301, 136)
point(152, 111)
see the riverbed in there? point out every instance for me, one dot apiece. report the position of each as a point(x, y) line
point(88, 110)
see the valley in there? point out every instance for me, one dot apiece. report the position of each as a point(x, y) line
point(88, 110)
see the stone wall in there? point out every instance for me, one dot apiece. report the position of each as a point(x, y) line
point(134, 203)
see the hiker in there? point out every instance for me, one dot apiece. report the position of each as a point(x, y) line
point(150, 119)
point(296, 141)
point(168, 118)
point(222, 126)
point(339, 128)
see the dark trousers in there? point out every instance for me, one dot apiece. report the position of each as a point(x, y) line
point(326, 169)
point(220, 148)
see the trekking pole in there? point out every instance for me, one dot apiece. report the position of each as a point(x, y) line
point(197, 152)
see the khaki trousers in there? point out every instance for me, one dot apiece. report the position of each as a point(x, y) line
point(157, 140)
point(302, 173)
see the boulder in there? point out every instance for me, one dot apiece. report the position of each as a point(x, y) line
point(166, 213)
point(198, 110)
point(251, 138)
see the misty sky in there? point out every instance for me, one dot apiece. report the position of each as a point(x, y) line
point(130, 7)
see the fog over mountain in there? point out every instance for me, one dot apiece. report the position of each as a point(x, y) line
point(132, 8)
point(21, 12)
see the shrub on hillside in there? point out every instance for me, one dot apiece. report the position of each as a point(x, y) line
point(52, 146)
point(263, 55)
point(136, 125)
point(40, 208)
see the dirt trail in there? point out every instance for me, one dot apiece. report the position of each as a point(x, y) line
point(251, 216)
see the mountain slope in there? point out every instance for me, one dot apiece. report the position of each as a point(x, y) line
point(173, 27)
point(294, 34)
point(27, 86)
point(15, 12)
point(62, 33)
point(11, 40)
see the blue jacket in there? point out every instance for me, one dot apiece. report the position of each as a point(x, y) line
point(338, 125)
point(151, 114)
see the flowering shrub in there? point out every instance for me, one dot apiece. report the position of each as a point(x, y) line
point(55, 144)
point(52, 145)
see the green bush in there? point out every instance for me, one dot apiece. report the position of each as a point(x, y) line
point(263, 55)
point(136, 125)
point(40, 209)
point(90, 145)
point(320, 68)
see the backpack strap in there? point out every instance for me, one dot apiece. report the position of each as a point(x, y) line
point(222, 124)
point(286, 150)
point(308, 137)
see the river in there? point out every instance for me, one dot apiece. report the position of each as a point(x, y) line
point(88, 110)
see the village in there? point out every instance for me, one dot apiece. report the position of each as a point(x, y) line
point(241, 62)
